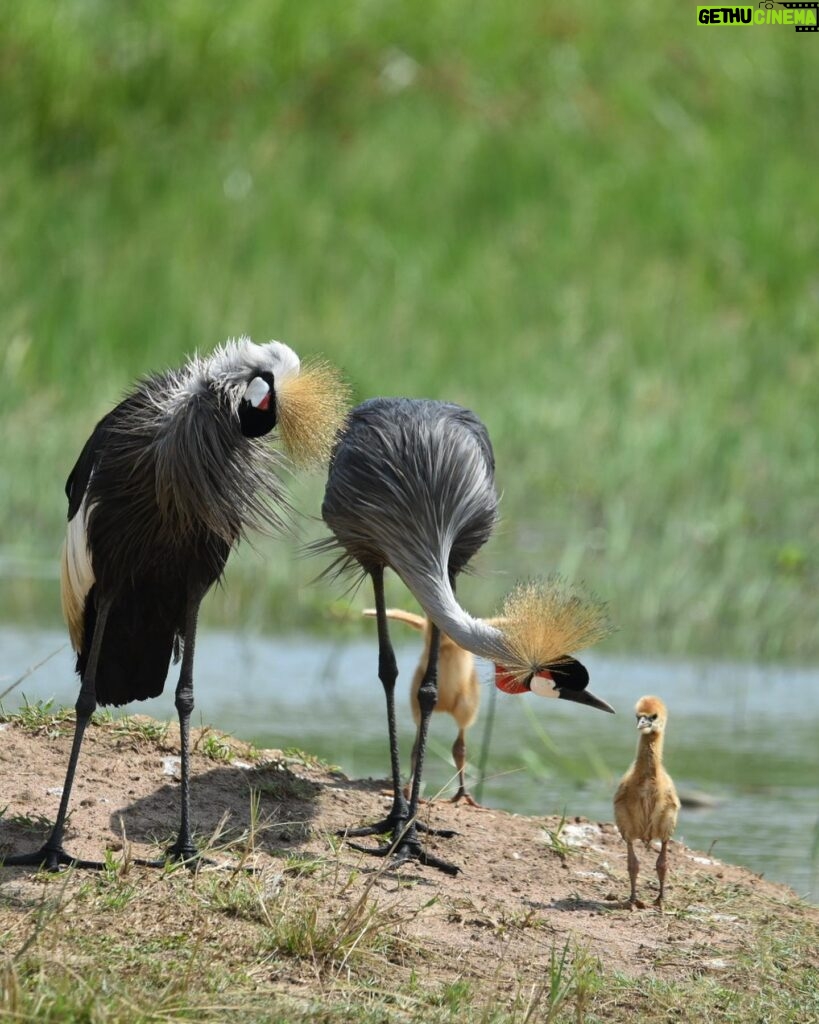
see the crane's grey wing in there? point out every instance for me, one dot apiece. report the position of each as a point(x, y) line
point(478, 430)
point(410, 486)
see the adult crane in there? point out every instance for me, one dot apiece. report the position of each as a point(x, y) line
point(165, 486)
point(411, 487)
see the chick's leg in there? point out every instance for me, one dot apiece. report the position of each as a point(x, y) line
point(459, 757)
point(633, 869)
point(662, 865)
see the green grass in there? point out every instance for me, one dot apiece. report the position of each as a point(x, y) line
point(183, 948)
point(310, 936)
point(597, 227)
point(42, 716)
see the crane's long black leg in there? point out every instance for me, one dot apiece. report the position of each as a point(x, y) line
point(406, 845)
point(184, 849)
point(396, 821)
point(387, 672)
point(51, 855)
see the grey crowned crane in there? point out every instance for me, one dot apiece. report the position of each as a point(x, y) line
point(411, 488)
point(165, 486)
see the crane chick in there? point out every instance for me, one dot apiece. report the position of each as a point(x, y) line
point(646, 803)
point(458, 691)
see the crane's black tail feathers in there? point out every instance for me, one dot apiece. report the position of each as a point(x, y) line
point(140, 640)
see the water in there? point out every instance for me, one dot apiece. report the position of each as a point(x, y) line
point(746, 736)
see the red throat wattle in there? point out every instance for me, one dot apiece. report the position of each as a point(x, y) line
point(265, 402)
point(508, 682)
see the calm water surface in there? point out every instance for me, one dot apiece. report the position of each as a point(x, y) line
point(746, 736)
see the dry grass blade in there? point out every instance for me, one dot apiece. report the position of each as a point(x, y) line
point(30, 671)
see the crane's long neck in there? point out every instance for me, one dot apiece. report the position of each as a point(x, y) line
point(650, 753)
point(432, 590)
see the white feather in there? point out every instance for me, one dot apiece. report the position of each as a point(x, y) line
point(256, 392)
point(77, 575)
point(229, 367)
point(543, 687)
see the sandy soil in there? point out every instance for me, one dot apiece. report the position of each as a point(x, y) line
point(516, 898)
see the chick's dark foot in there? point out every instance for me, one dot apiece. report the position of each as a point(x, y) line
point(406, 850)
point(466, 797)
point(50, 858)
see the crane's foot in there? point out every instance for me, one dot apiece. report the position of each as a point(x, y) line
point(408, 849)
point(391, 826)
point(659, 904)
point(50, 858)
point(183, 853)
point(466, 797)
point(193, 862)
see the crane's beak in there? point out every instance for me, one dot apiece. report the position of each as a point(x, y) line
point(585, 697)
point(569, 679)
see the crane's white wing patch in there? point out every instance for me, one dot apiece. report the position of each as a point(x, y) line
point(76, 575)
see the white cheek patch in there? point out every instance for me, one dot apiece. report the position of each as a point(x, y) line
point(256, 392)
point(544, 687)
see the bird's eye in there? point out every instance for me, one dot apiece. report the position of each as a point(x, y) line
point(653, 718)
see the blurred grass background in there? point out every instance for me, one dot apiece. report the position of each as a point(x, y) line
point(597, 226)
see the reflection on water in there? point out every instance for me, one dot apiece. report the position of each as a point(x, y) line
point(746, 736)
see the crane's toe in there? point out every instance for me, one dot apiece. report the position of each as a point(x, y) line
point(392, 826)
point(50, 858)
point(385, 827)
point(407, 850)
point(182, 853)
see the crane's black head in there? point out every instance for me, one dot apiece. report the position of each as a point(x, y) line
point(257, 408)
point(567, 679)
